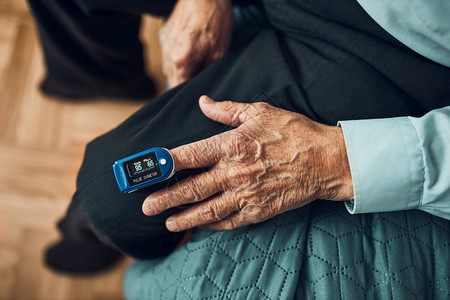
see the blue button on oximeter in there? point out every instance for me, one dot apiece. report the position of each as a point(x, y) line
point(143, 169)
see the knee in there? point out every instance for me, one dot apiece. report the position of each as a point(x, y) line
point(116, 215)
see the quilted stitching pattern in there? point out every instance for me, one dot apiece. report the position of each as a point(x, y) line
point(317, 252)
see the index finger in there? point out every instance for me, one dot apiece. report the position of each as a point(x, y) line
point(200, 154)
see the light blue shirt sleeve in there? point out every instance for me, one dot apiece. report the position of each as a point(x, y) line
point(400, 163)
point(422, 25)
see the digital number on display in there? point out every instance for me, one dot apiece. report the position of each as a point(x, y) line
point(142, 168)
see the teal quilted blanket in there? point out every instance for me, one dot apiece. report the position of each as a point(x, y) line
point(316, 252)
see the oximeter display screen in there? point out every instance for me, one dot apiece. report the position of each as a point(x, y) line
point(142, 168)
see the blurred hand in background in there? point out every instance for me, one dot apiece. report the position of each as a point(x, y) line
point(196, 34)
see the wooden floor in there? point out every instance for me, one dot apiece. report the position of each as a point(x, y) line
point(41, 146)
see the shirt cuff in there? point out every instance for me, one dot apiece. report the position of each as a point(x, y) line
point(386, 164)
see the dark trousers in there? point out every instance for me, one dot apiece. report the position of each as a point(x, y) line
point(326, 59)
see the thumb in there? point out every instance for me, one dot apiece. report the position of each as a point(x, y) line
point(227, 112)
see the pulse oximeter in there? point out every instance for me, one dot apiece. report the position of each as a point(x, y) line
point(143, 169)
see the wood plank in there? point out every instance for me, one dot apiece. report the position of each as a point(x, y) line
point(15, 7)
point(9, 260)
point(42, 142)
point(15, 85)
point(82, 122)
point(152, 49)
point(36, 282)
point(36, 176)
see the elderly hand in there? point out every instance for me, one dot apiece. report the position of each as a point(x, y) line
point(197, 33)
point(274, 161)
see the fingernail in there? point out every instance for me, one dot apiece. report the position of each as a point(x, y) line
point(171, 225)
point(149, 208)
point(205, 99)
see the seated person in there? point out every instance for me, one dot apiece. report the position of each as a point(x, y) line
point(240, 162)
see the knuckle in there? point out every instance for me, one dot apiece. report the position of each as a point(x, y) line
point(210, 213)
point(253, 213)
point(180, 62)
point(217, 55)
point(241, 139)
point(239, 145)
point(190, 191)
point(238, 176)
point(183, 223)
point(230, 224)
point(162, 202)
point(182, 58)
point(190, 154)
point(261, 107)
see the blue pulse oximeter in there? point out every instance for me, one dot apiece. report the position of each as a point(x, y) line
point(143, 169)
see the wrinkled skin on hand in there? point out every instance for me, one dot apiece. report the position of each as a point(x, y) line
point(197, 33)
point(274, 161)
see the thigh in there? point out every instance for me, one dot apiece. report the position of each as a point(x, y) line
point(348, 67)
point(274, 67)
